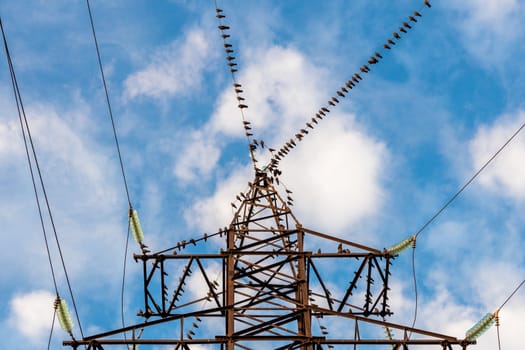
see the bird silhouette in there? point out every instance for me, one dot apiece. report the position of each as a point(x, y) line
point(386, 46)
point(378, 55)
point(428, 4)
point(417, 14)
point(396, 35)
point(402, 29)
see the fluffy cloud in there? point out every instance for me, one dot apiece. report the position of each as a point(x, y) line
point(505, 175)
point(335, 172)
point(485, 26)
point(281, 90)
point(80, 181)
point(31, 314)
point(173, 70)
point(210, 213)
point(335, 175)
point(198, 158)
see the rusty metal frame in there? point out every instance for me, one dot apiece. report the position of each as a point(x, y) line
point(271, 287)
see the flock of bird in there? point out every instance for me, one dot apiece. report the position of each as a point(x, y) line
point(345, 90)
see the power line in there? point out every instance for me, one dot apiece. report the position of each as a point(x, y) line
point(130, 206)
point(108, 104)
point(445, 206)
point(25, 127)
point(512, 294)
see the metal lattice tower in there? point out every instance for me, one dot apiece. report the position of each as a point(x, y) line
point(265, 288)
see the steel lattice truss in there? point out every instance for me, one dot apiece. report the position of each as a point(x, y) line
point(265, 290)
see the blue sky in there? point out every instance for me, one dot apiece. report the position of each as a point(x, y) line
point(391, 153)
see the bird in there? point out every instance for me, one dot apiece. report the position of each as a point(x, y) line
point(417, 14)
point(344, 89)
point(411, 18)
point(428, 4)
point(386, 46)
point(220, 16)
point(402, 29)
point(391, 42)
point(241, 106)
point(372, 60)
point(339, 93)
point(350, 84)
point(309, 125)
point(340, 248)
point(226, 45)
point(335, 100)
point(304, 131)
point(324, 109)
point(225, 36)
point(331, 103)
point(355, 80)
point(358, 76)
point(230, 58)
point(222, 27)
point(237, 90)
point(378, 55)
point(364, 69)
point(314, 121)
point(396, 35)
point(228, 51)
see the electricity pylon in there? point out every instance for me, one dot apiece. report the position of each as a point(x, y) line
point(265, 287)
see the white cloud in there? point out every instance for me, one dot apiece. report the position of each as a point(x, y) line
point(281, 90)
point(210, 213)
point(31, 314)
point(198, 158)
point(335, 172)
point(492, 13)
point(173, 70)
point(10, 141)
point(506, 175)
point(336, 175)
point(490, 27)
